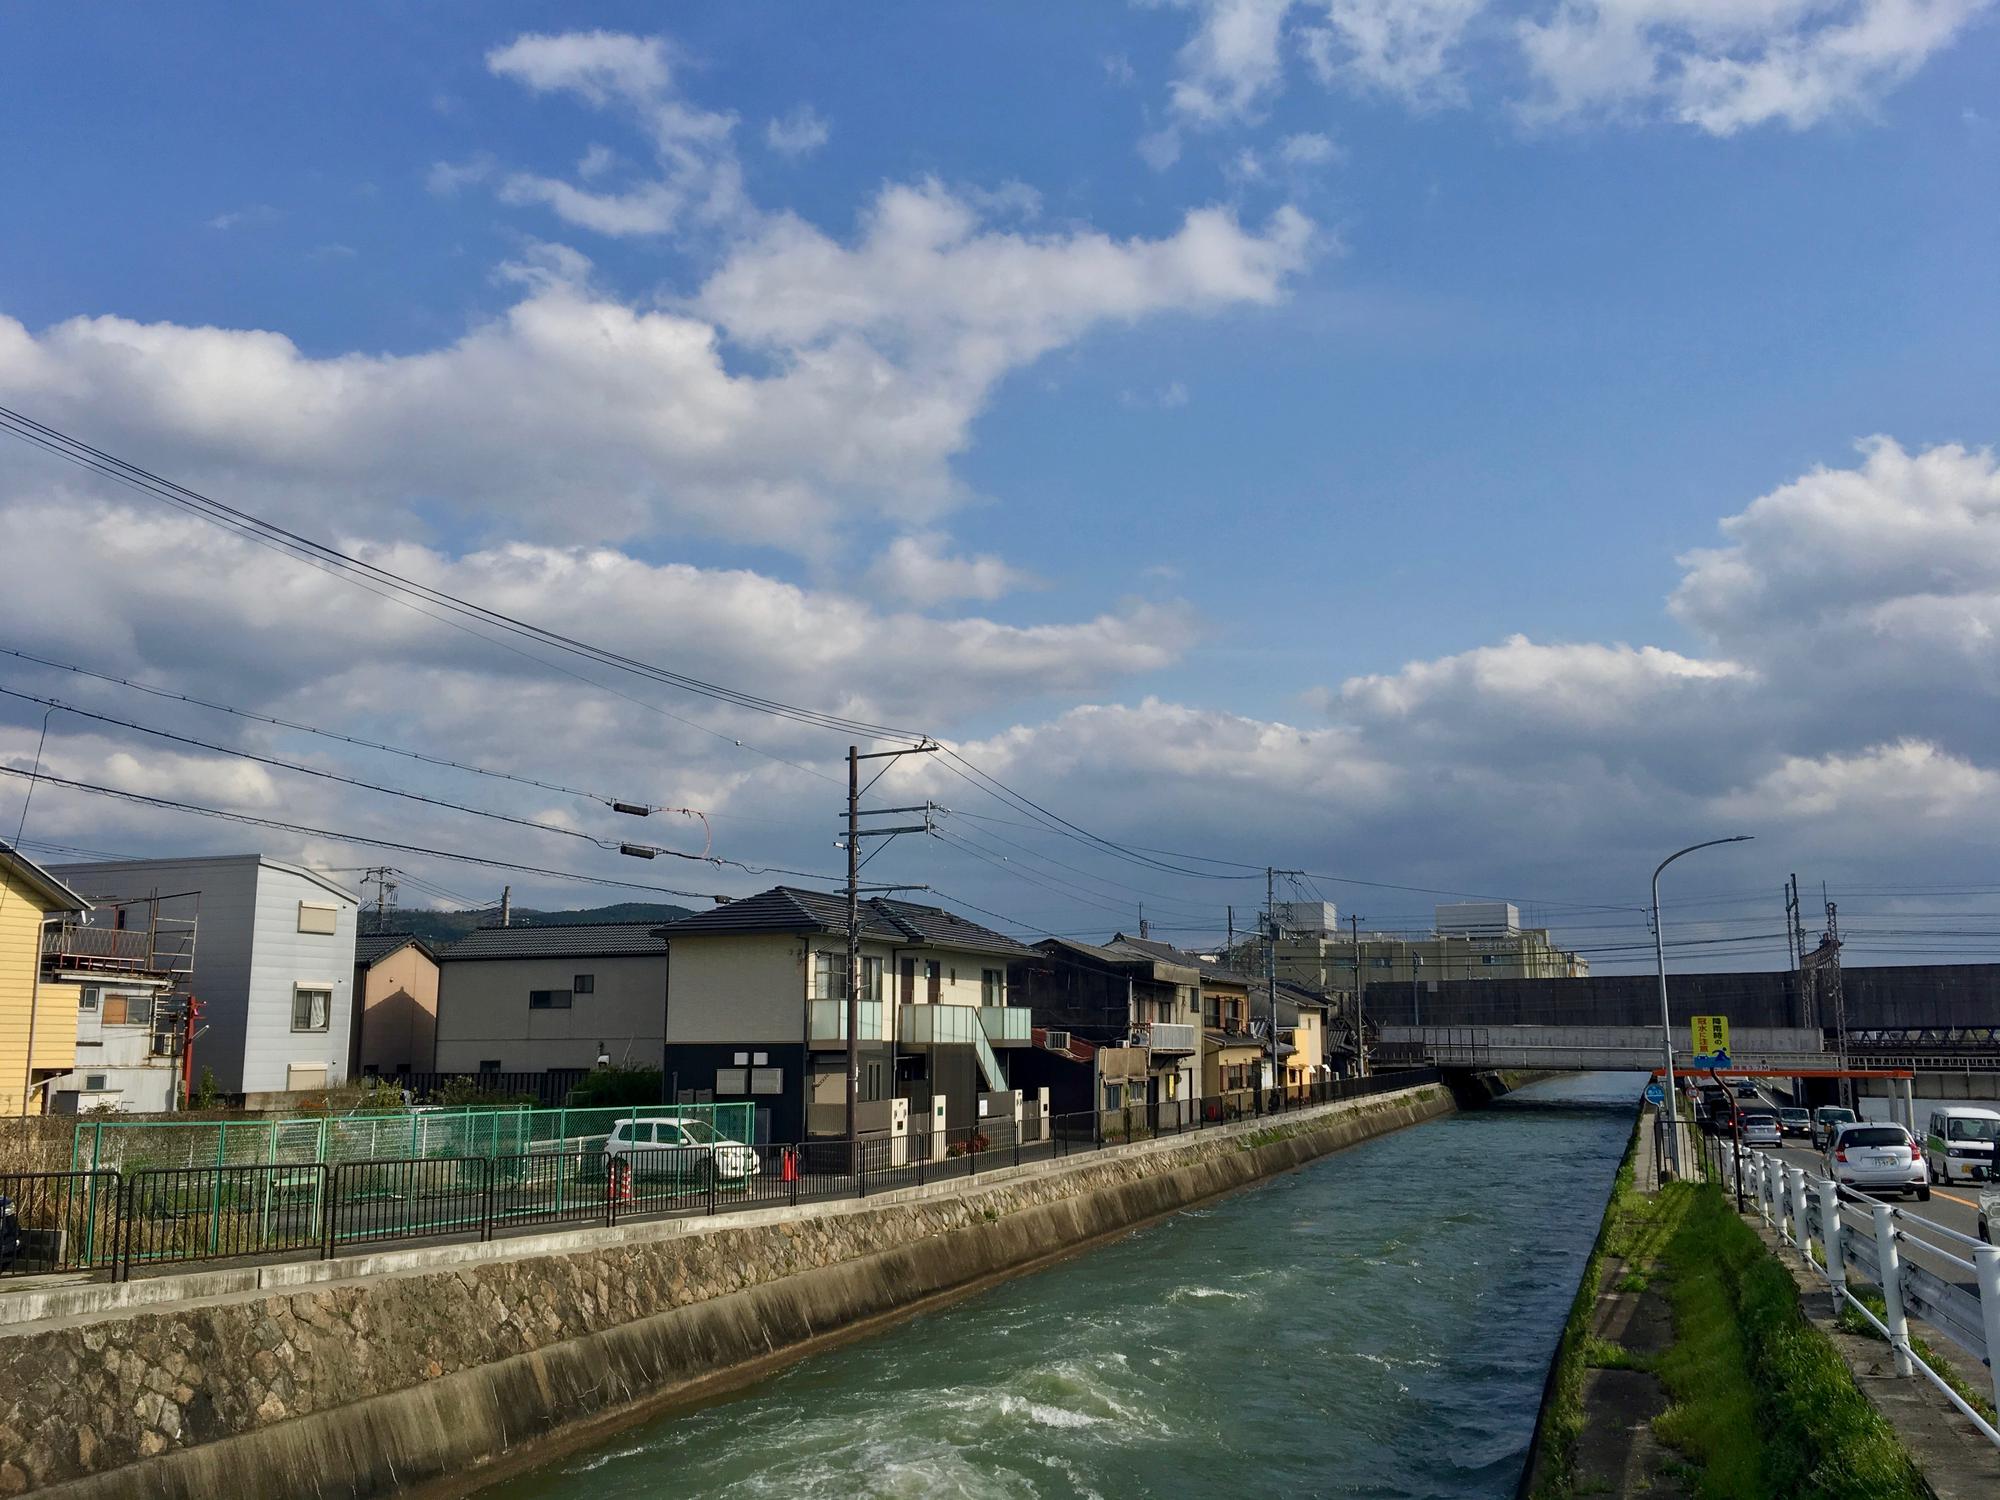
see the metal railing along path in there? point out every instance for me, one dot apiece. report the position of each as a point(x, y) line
point(102, 1222)
point(1873, 1239)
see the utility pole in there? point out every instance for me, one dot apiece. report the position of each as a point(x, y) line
point(855, 834)
point(506, 906)
point(1271, 955)
point(1360, 1018)
point(1836, 996)
point(1144, 930)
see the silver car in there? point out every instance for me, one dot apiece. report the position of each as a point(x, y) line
point(1760, 1128)
point(1878, 1158)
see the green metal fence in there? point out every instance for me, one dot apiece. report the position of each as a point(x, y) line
point(154, 1145)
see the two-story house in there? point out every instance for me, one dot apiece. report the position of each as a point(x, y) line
point(757, 1010)
point(37, 1019)
point(395, 1006)
point(274, 968)
point(1138, 1010)
point(129, 968)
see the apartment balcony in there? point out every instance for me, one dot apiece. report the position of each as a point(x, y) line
point(1008, 1025)
point(1172, 1037)
point(922, 1026)
point(827, 1021)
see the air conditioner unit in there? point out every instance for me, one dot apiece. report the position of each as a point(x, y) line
point(1056, 1041)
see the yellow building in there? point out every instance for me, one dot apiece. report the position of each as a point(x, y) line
point(37, 1015)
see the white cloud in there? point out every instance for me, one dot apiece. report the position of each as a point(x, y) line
point(1233, 61)
point(245, 218)
point(1729, 67)
point(1399, 47)
point(800, 133)
point(1719, 66)
point(447, 178)
point(919, 569)
point(1890, 789)
point(577, 416)
point(698, 182)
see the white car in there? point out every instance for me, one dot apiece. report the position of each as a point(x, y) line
point(676, 1146)
point(1876, 1157)
point(1989, 1215)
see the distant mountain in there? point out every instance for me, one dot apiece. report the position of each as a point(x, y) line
point(450, 926)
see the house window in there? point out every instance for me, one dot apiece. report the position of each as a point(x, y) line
point(548, 999)
point(1379, 963)
point(489, 1064)
point(583, 984)
point(1213, 1014)
point(871, 979)
point(992, 987)
point(829, 975)
point(767, 1080)
point(88, 999)
point(1114, 1095)
point(311, 1009)
point(95, 1083)
point(934, 980)
point(129, 1010)
point(1489, 958)
point(909, 978)
point(732, 1081)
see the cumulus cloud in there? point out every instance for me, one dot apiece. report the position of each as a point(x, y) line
point(920, 569)
point(576, 415)
point(1403, 48)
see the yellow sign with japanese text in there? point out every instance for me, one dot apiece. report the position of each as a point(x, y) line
point(1709, 1034)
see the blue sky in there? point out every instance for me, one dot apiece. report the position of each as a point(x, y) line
point(1499, 341)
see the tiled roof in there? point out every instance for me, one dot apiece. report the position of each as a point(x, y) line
point(373, 947)
point(1167, 953)
point(787, 908)
point(559, 940)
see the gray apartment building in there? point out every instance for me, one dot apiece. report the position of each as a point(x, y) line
point(273, 963)
point(555, 998)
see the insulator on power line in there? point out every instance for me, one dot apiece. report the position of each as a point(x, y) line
point(638, 851)
point(631, 807)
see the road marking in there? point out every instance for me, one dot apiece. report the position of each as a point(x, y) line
point(1969, 1203)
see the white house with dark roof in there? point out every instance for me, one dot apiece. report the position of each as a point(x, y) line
point(757, 1010)
point(553, 998)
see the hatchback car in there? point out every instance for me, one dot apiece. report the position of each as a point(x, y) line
point(1795, 1122)
point(1878, 1158)
point(1826, 1120)
point(1760, 1128)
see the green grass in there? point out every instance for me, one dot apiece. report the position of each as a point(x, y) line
point(1761, 1399)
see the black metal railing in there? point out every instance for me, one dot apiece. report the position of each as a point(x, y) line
point(102, 1222)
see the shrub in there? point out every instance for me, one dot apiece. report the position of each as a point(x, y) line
point(615, 1088)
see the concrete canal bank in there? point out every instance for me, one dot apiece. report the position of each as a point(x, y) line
point(363, 1375)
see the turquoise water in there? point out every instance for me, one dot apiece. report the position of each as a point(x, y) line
point(1377, 1324)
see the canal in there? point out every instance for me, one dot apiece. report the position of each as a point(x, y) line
point(1376, 1324)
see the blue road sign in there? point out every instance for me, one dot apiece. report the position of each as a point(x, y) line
point(1654, 1094)
point(1714, 1059)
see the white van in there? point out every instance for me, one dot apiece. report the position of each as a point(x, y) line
point(1959, 1143)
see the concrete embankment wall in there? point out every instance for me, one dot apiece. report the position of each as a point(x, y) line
point(356, 1377)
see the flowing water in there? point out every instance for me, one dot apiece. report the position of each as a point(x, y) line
point(1379, 1323)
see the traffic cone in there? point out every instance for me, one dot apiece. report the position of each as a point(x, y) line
point(788, 1165)
point(622, 1181)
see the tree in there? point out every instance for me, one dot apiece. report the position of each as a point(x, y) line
point(614, 1088)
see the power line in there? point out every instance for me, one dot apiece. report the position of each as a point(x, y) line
point(352, 838)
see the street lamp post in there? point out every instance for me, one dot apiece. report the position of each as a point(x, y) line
point(1666, 1018)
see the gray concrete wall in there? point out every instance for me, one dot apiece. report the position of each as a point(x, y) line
point(357, 1377)
point(483, 1013)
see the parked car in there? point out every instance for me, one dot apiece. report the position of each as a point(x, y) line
point(1959, 1143)
point(1878, 1158)
point(1760, 1128)
point(674, 1146)
point(1795, 1122)
point(1827, 1119)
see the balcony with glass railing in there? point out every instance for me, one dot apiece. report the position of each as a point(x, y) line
point(919, 1027)
point(827, 1021)
point(1008, 1025)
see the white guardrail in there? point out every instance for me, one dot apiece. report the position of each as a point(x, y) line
point(1871, 1237)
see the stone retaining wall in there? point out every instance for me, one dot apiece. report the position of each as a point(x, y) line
point(360, 1380)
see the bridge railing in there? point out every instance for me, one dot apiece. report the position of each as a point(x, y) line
point(1837, 1231)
